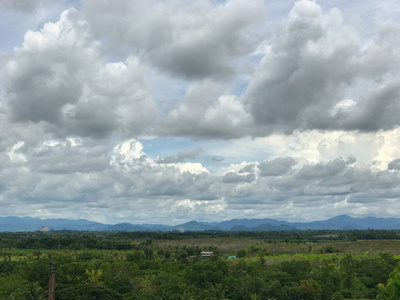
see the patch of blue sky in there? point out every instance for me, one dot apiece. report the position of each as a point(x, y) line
point(163, 147)
point(240, 86)
point(215, 155)
point(167, 91)
point(12, 30)
point(226, 152)
point(14, 23)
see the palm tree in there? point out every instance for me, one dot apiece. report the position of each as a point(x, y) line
point(215, 292)
point(36, 292)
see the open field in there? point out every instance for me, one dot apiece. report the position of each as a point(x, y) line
point(231, 245)
point(129, 265)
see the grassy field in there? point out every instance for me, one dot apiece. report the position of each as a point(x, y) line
point(128, 265)
point(232, 245)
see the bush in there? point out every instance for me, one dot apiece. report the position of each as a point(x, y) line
point(241, 253)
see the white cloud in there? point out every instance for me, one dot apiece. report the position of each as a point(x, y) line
point(61, 176)
point(14, 155)
point(280, 113)
point(59, 80)
point(207, 112)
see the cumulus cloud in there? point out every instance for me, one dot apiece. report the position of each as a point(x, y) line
point(304, 71)
point(278, 114)
point(190, 39)
point(309, 187)
point(375, 112)
point(309, 67)
point(206, 113)
point(67, 172)
point(44, 75)
point(233, 177)
point(59, 79)
point(394, 165)
point(62, 175)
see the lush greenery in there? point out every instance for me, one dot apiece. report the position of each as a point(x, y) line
point(167, 265)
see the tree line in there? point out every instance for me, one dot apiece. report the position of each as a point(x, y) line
point(132, 265)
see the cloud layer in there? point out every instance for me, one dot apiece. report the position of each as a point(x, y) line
point(71, 178)
point(62, 76)
point(254, 110)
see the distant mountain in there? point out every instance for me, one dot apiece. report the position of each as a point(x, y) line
point(249, 223)
point(13, 224)
point(262, 227)
point(156, 227)
point(339, 223)
point(344, 222)
point(192, 226)
point(239, 228)
point(125, 227)
point(269, 227)
point(81, 224)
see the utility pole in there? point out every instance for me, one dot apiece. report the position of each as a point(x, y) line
point(52, 280)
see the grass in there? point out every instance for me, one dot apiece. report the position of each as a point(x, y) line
point(224, 245)
point(251, 245)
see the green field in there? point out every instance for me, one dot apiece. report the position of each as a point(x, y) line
point(269, 265)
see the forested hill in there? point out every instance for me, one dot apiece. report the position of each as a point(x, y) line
point(13, 224)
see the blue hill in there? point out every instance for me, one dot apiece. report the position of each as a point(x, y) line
point(343, 222)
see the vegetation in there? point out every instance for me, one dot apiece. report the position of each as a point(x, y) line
point(167, 265)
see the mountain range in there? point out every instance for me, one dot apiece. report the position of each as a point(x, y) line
point(344, 222)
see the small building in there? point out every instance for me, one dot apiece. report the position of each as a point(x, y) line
point(231, 257)
point(206, 254)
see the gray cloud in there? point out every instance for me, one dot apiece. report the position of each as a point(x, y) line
point(64, 157)
point(100, 183)
point(303, 74)
point(180, 157)
point(250, 168)
point(95, 118)
point(63, 84)
point(190, 39)
point(78, 91)
point(310, 65)
point(394, 165)
point(276, 167)
point(45, 74)
point(206, 113)
point(23, 5)
point(59, 81)
point(233, 177)
point(377, 111)
point(320, 171)
point(216, 159)
point(41, 94)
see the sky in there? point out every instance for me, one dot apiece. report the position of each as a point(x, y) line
point(150, 111)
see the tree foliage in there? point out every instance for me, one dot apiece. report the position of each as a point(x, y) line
point(274, 265)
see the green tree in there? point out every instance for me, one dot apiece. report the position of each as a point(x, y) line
point(390, 291)
point(93, 276)
point(347, 270)
point(215, 292)
point(310, 289)
point(241, 253)
point(86, 292)
point(36, 292)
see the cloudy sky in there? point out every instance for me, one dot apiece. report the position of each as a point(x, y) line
point(151, 111)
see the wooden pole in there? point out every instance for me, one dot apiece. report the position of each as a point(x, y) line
point(52, 280)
